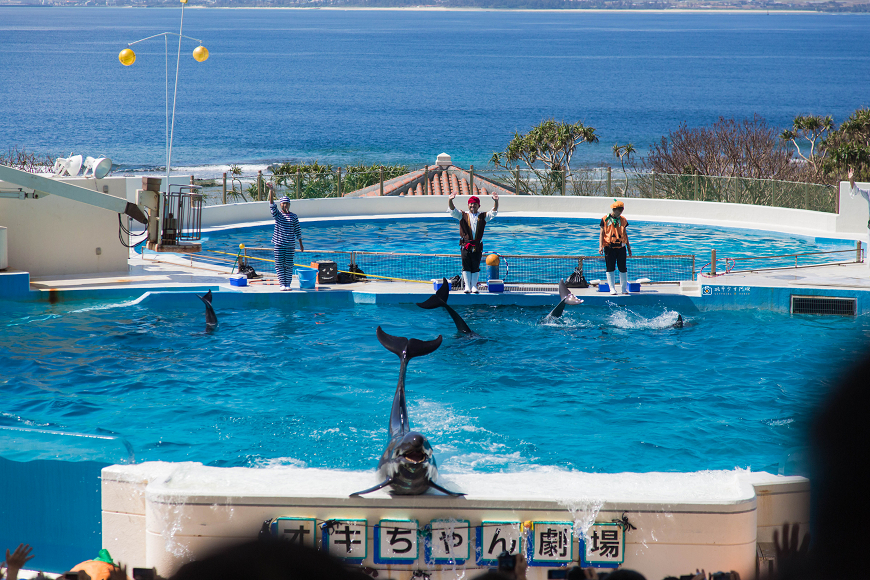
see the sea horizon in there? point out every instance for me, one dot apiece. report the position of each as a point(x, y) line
point(355, 85)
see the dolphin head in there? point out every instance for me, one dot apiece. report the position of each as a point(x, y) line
point(413, 449)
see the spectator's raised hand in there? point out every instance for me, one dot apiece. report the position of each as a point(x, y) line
point(791, 559)
point(16, 560)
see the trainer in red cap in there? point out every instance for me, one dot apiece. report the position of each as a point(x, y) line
point(471, 226)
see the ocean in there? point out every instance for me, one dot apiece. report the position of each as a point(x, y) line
point(402, 86)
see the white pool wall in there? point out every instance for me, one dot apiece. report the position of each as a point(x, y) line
point(167, 514)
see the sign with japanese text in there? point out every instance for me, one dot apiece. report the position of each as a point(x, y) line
point(551, 543)
point(346, 539)
point(725, 290)
point(301, 531)
point(396, 542)
point(493, 538)
point(449, 542)
point(603, 546)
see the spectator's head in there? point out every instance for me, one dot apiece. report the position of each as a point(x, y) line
point(271, 559)
point(473, 203)
point(840, 456)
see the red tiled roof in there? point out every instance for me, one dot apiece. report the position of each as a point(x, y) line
point(441, 181)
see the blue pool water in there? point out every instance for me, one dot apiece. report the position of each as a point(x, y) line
point(605, 389)
point(533, 236)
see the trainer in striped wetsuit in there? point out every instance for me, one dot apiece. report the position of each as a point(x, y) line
point(287, 231)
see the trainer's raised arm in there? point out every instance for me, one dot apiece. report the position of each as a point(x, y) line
point(271, 187)
point(450, 201)
point(495, 200)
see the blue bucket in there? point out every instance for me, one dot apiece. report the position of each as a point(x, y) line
point(307, 277)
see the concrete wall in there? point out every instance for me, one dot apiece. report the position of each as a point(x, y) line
point(52, 235)
point(163, 514)
point(845, 224)
point(55, 236)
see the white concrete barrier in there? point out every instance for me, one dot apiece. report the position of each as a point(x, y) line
point(164, 515)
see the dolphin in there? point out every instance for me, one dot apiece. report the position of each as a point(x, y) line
point(408, 464)
point(440, 299)
point(210, 317)
point(567, 298)
point(679, 322)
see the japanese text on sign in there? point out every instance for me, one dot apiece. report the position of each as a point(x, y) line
point(397, 541)
point(449, 542)
point(552, 542)
point(604, 544)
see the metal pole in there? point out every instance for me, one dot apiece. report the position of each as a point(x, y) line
point(382, 181)
point(609, 182)
point(858, 252)
point(696, 186)
point(224, 196)
point(339, 182)
point(426, 180)
point(471, 183)
point(713, 262)
point(654, 190)
point(564, 178)
point(518, 180)
point(191, 180)
point(693, 266)
point(259, 185)
point(298, 182)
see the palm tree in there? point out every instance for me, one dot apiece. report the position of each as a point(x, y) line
point(623, 151)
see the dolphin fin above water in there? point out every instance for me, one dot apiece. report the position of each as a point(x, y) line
point(679, 322)
point(439, 299)
point(407, 465)
point(210, 316)
point(567, 297)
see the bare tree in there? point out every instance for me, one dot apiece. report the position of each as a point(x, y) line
point(731, 148)
point(27, 160)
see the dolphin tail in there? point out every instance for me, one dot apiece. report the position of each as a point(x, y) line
point(557, 311)
point(457, 320)
point(381, 485)
point(405, 348)
point(434, 485)
point(439, 298)
point(567, 295)
point(210, 316)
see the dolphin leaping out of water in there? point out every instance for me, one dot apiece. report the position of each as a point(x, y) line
point(440, 299)
point(210, 317)
point(567, 298)
point(408, 464)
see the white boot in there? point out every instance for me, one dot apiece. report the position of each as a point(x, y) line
point(474, 277)
point(623, 282)
point(466, 281)
point(611, 283)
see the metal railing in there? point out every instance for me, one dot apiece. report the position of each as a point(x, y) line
point(714, 266)
point(594, 182)
point(183, 210)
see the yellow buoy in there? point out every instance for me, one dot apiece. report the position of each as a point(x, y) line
point(492, 260)
point(127, 57)
point(241, 246)
point(200, 53)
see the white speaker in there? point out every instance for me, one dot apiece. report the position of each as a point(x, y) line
point(99, 167)
point(69, 165)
